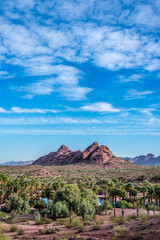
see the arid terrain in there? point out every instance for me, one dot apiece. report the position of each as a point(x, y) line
point(113, 225)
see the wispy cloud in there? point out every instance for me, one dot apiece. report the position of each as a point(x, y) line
point(131, 78)
point(135, 94)
point(19, 110)
point(100, 107)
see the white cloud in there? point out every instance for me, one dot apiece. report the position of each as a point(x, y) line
point(2, 110)
point(27, 110)
point(74, 92)
point(42, 47)
point(134, 94)
point(5, 75)
point(50, 121)
point(64, 80)
point(131, 78)
point(100, 107)
point(33, 110)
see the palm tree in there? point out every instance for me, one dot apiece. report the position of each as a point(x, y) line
point(1, 196)
point(128, 187)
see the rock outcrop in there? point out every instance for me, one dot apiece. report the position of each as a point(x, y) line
point(94, 154)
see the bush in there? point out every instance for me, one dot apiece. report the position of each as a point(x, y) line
point(10, 221)
point(87, 210)
point(19, 220)
point(132, 217)
point(37, 216)
point(2, 229)
point(20, 231)
point(13, 228)
point(4, 237)
point(124, 204)
point(119, 220)
point(50, 231)
point(27, 238)
point(41, 231)
point(16, 204)
point(3, 215)
point(137, 236)
point(120, 231)
point(97, 224)
point(44, 221)
point(57, 229)
point(143, 217)
point(76, 224)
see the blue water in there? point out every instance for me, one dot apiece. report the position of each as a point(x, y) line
point(100, 200)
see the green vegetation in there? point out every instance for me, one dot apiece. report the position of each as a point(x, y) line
point(55, 196)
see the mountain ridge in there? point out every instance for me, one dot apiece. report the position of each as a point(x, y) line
point(145, 160)
point(93, 154)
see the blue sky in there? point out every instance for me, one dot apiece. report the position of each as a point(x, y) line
point(78, 71)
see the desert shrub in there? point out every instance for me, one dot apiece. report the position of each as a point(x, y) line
point(44, 221)
point(2, 229)
point(10, 221)
point(120, 231)
point(132, 217)
point(124, 204)
point(137, 236)
point(50, 231)
point(27, 238)
point(4, 237)
point(13, 228)
point(41, 231)
point(76, 224)
point(3, 215)
point(57, 229)
point(20, 231)
point(97, 224)
point(143, 217)
point(60, 221)
point(119, 220)
point(19, 220)
point(37, 216)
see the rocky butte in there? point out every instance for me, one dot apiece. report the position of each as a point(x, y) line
point(94, 154)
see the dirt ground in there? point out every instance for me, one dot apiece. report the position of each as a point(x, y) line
point(148, 230)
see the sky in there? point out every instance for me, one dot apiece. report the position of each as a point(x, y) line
point(74, 72)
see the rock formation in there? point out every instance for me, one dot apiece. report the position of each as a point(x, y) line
point(94, 154)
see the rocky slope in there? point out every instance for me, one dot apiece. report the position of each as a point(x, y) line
point(94, 154)
point(145, 160)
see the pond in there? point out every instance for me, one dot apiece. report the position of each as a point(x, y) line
point(100, 200)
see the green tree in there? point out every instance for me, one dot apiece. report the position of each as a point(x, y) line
point(106, 205)
point(87, 210)
point(16, 204)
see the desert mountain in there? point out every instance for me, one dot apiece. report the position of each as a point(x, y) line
point(94, 154)
point(146, 160)
point(14, 163)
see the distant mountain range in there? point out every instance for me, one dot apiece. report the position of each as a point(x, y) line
point(145, 160)
point(13, 163)
point(94, 154)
